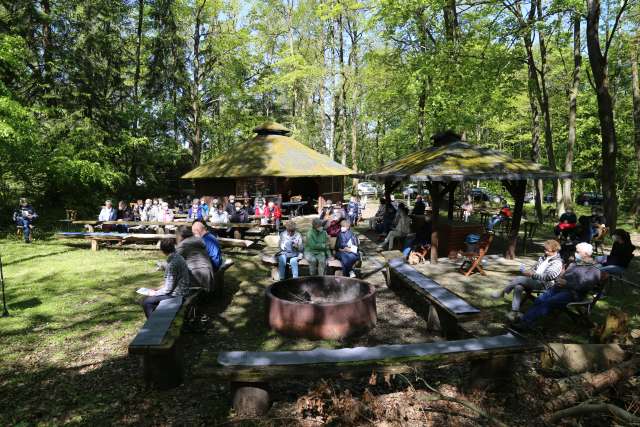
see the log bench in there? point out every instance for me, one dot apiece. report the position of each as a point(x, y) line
point(249, 373)
point(158, 342)
point(218, 276)
point(334, 266)
point(445, 308)
point(96, 237)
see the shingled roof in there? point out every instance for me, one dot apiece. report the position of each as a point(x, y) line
point(272, 152)
point(460, 161)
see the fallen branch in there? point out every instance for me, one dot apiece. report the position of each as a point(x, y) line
point(593, 383)
point(616, 412)
point(467, 404)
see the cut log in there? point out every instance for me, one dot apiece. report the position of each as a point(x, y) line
point(588, 409)
point(579, 358)
point(596, 383)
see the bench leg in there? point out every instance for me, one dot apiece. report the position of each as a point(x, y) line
point(441, 321)
point(491, 371)
point(164, 371)
point(94, 245)
point(275, 275)
point(250, 399)
point(218, 283)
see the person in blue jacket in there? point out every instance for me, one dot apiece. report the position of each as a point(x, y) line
point(210, 241)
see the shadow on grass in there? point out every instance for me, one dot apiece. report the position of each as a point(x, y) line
point(24, 304)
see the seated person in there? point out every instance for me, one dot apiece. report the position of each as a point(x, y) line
point(240, 214)
point(271, 214)
point(573, 285)
point(542, 276)
point(24, 216)
point(467, 209)
point(155, 210)
point(377, 218)
point(327, 212)
point(353, 210)
point(108, 213)
point(620, 256)
point(291, 250)
point(147, 213)
point(598, 222)
point(258, 206)
point(388, 219)
point(316, 250)
point(583, 230)
point(137, 210)
point(220, 216)
point(194, 252)
point(333, 224)
point(419, 206)
point(568, 222)
point(211, 243)
point(124, 214)
point(176, 279)
point(205, 208)
point(195, 211)
point(503, 214)
point(401, 229)
point(347, 249)
point(165, 214)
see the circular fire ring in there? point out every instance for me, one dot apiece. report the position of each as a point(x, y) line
point(321, 307)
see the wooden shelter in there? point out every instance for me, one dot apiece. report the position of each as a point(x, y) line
point(272, 164)
point(444, 166)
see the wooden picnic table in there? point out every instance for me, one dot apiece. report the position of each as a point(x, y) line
point(172, 223)
point(140, 237)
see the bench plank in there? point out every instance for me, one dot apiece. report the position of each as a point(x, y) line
point(156, 327)
point(440, 295)
point(363, 354)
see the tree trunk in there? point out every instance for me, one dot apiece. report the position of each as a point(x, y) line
point(422, 100)
point(46, 45)
point(196, 139)
point(517, 190)
point(573, 109)
point(136, 76)
point(598, 63)
point(434, 191)
point(535, 132)
point(450, 20)
point(635, 82)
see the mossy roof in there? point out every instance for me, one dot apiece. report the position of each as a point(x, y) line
point(269, 155)
point(460, 161)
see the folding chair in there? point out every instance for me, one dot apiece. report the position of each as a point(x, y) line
point(473, 260)
point(598, 241)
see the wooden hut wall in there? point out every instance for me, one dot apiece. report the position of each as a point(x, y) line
point(215, 186)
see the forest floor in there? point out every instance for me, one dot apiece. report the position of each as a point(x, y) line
point(63, 351)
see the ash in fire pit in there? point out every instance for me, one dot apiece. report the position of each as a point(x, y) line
point(321, 307)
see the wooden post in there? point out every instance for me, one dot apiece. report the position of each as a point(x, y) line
point(434, 191)
point(94, 245)
point(166, 370)
point(452, 190)
point(517, 191)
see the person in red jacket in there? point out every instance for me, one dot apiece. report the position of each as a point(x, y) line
point(272, 214)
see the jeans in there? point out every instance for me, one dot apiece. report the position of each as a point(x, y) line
point(26, 230)
point(348, 259)
point(616, 270)
point(353, 219)
point(518, 286)
point(553, 298)
point(493, 222)
point(282, 266)
point(150, 303)
point(317, 263)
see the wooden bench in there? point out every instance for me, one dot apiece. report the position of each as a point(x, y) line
point(96, 237)
point(334, 265)
point(218, 277)
point(158, 342)
point(446, 309)
point(250, 372)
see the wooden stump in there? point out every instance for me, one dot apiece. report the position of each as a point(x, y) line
point(250, 399)
point(164, 370)
point(491, 372)
point(94, 245)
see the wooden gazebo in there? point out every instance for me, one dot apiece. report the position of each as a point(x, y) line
point(442, 167)
point(272, 163)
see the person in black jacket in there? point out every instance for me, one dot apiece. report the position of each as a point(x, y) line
point(24, 216)
point(621, 254)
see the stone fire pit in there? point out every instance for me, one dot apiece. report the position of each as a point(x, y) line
point(321, 307)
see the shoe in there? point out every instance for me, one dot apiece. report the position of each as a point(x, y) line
point(497, 294)
point(521, 327)
point(352, 274)
point(513, 316)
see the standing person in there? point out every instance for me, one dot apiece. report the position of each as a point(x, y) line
point(598, 222)
point(504, 213)
point(23, 216)
point(467, 209)
point(542, 276)
point(621, 254)
point(195, 211)
point(231, 205)
point(316, 251)
point(194, 251)
point(573, 285)
point(176, 279)
point(401, 229)
point(107, 213)
point(210, 241)
point(419, 206)
point(353, 210)
point(347, 249)
point(291, 250)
